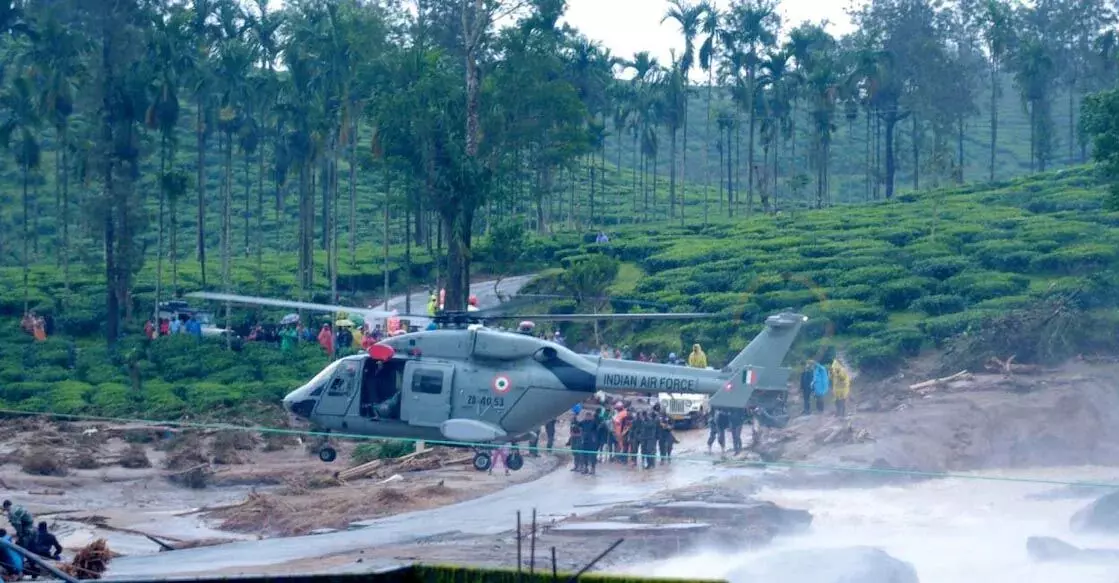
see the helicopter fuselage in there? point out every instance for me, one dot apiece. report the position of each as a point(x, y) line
point(477, 385)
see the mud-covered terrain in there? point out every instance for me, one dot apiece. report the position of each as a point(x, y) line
point(983, 421)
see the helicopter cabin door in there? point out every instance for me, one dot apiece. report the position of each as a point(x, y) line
point(427, 393)
point(340, 389)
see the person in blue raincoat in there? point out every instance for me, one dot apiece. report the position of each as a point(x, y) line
point(821, 384)
point(10, 560)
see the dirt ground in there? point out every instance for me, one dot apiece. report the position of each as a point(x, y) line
point(126, 483)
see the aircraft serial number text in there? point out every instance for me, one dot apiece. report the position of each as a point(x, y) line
point(497, 402)
point(667, 384)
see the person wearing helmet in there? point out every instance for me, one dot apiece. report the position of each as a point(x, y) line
point(432, 305)
point(526, 328)
point(672, 358)
point(472, 305)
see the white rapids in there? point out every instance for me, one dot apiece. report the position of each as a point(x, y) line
point(955, 530)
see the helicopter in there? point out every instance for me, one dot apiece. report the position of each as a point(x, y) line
point(469, 384)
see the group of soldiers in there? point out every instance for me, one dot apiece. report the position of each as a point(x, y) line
point(723, 420)
point(39, 541)
point(621, 433)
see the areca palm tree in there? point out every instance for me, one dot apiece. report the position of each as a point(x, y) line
point(711, 26)
point(689, 17)
point(755, 26)
point(54, 62)
point(202, 37)
point(19, 132)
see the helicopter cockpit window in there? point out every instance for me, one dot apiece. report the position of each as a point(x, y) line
point(427, 381)
point(339, 387)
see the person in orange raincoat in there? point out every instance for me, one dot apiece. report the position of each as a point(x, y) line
point(326, 339)
point(621, 429)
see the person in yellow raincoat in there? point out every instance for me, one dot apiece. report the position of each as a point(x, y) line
point(697, 359)
point(432, 305)
point(841, 386)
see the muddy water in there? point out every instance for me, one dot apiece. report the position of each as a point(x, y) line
point(954, 530)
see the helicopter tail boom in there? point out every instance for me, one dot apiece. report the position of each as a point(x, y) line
point(759, 364)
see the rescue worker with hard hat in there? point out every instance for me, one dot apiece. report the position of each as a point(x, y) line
point(472, 305)
point(698, 358)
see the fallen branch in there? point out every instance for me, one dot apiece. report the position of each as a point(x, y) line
point(962, 375)
point(367, 469)
point(1008, 366)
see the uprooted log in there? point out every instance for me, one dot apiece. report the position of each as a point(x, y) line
point(934, 383)
point(367, 469)
point(1009, 367)
point(414, 462)
point(91, 562)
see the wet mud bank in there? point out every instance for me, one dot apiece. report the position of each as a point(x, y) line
point(1067, 416)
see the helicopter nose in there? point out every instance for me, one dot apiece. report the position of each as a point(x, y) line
point(296, 403)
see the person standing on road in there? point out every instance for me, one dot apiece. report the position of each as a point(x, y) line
point(718, 427)
point(666, 438)
point(588, 428)
point(736, 418)
point(648, 438)
point(550, 431)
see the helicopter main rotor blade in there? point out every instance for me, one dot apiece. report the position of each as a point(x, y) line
point(592, 317)
point(292, 305)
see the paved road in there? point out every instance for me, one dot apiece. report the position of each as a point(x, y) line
point(555, 496)
point(483, 290)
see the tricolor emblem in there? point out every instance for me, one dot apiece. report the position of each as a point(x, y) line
point(750, 376)
point(501, 384)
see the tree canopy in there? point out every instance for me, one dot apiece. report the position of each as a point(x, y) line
point(283, 129)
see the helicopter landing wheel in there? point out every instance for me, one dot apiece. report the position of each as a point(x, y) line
point(482, 461)
point(328, 454)
point(515, 461)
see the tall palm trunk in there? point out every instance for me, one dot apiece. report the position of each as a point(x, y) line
point(227, 232)
point(64, 173)
point(200, 142)
point(995, 90)
point(26, 241)
point(750, 144)
point(684, 155)
point(672, 175)
point(159, 236)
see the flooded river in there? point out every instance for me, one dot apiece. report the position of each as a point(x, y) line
point(952, 531)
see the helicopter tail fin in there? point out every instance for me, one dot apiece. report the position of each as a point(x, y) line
point(759, 364)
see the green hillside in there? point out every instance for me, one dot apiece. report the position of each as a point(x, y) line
point(848, 162)
point(882, 281)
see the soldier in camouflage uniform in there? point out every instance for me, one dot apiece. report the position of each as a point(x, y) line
point(22, 522)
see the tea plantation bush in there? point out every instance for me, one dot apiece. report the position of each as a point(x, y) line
point(882, 281)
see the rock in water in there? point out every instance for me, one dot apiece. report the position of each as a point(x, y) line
point(842, 565)
point(1045, 548)
point(1099, 516)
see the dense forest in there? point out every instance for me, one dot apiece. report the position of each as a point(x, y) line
point(146, 136)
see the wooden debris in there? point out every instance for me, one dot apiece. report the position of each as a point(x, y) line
point(403, 463)
point(932, 384)
point(91, 561)
point(1008, 366)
